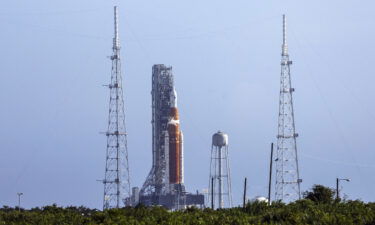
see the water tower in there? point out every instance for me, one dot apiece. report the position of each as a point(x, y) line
point(219, 195)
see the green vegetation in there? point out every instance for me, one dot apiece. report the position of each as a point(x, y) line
point(321, 194)
point(318, 207)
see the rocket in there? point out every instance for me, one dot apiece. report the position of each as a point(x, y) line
point(175, 142)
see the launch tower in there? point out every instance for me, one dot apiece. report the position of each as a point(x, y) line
point(163, 98)
point(287, 173)
point(164, 184)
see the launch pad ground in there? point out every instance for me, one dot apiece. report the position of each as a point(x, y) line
point(173, 201)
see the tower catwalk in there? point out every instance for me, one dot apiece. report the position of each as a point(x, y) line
point(117, 180)
point(287, 173)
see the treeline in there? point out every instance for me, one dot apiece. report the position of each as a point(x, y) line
point(318, 207)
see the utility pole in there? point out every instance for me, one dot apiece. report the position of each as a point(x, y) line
point(270, 176)
point(337, 188)
point(19, 201)
point(287, 186)
point(212, 193)
point(244, 192)
point(117, 177)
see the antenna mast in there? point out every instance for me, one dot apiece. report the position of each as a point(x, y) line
point(287, 172)
point(117, 178)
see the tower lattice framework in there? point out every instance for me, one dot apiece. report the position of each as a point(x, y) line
point(287, 172)
point(117, 180)
point(162, 86)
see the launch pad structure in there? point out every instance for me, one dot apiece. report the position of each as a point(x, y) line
point(162, 91)
point(164, 184)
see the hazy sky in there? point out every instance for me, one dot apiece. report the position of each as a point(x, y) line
point(226, 61)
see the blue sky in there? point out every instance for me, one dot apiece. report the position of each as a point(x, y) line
point(225, 57)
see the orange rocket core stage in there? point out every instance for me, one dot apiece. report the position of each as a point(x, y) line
point(175, 147)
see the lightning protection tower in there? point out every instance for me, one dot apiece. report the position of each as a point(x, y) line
point(287, 173)
point(117, 180)
point(219, 195)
